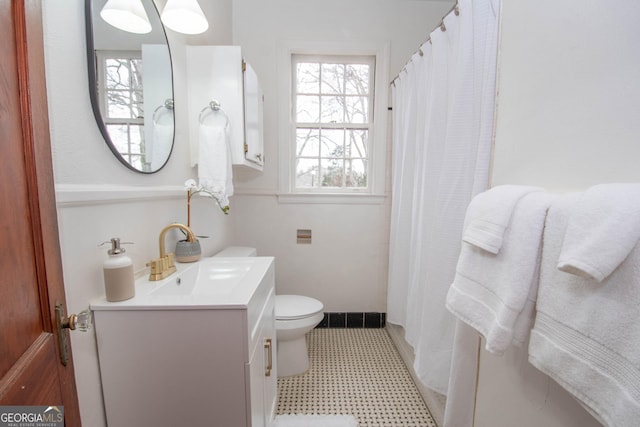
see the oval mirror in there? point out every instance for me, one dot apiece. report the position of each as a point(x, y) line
point(133, 109)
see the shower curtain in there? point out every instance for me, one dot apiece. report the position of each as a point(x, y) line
point(443, 108)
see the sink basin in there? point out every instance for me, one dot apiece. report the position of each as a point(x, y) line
point(215, 282)
point(208, 277)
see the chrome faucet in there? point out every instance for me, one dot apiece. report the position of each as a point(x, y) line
point(165, 265)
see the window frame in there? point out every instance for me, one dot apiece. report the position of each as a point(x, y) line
point(375, 190)
point(320, 126)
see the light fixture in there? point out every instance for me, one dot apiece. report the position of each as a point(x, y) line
point(126, 15)
point(184, 16)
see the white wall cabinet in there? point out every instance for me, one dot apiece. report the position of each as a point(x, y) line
point(219, 73)
point(165, 366)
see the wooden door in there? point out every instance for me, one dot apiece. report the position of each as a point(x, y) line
point(30, 266)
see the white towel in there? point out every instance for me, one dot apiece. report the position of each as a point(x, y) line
point(603, 228)
point(214, 161)
point(495, 293)
point(491, 212)
point(586, 334)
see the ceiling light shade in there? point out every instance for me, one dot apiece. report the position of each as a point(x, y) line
point(126, 15)
point(184, 16)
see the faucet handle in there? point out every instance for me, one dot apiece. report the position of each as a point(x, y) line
point(156, 266)
point(171, 260)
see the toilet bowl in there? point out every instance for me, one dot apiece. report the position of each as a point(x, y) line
point(295, 316)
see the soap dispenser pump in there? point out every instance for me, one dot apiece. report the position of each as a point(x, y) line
point(118, 273)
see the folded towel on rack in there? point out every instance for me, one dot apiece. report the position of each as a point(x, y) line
point(214, 161)
point(491, 214)
point(495, 293)
point(586, 334)
point(602, 229)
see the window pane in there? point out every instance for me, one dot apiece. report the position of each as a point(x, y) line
point(119, 105)
point(332, 78)
point(137, 105)
point(135, 161)
point(357, 143)
point(332, 109)
point(332, 172)
point(357, 109)
point(120, 137)
point(136, 75)
point(307, 142)
point(307, 75)
point(118, 74)
point(136, 138)
point(332, 143)
point(356, 170)
point(307, 109)
point(357, 79)
point(307, 173)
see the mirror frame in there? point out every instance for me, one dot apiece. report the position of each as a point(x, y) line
point(93, 93)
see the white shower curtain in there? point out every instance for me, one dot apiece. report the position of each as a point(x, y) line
point(443, 105)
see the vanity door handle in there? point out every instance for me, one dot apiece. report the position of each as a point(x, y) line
point(269, 348)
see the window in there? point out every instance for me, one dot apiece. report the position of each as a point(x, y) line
point(332, 100)
point(121, 102)
point(332, 111)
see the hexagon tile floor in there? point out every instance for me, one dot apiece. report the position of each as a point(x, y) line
point(355, 372)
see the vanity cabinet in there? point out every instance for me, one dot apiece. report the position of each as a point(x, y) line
point(164, 362)
point(219, 73)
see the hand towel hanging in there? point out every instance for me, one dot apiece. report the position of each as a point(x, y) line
point(214, 154)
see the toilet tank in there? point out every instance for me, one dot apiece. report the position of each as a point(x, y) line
point(237, 251)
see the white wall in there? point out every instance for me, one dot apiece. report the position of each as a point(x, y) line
point(346, 264)
point(98, 198)
point(568, 106)
point(569, 94)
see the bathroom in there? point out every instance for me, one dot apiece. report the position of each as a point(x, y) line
point(549, 132)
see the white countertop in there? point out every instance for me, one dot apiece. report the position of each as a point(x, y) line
point(216, 282)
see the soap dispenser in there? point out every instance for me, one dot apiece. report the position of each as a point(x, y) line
point(118, 273)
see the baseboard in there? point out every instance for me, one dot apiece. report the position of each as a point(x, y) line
point(353, 320)
point(434, 401)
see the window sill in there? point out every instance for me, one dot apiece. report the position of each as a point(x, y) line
point(332, 198)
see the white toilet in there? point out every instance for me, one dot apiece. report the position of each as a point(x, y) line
point(295, 316)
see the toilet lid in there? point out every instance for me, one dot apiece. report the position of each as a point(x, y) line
point(289, 307)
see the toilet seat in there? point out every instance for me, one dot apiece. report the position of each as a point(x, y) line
point(293, 307)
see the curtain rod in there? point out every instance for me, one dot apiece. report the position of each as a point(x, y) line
point(455, 9)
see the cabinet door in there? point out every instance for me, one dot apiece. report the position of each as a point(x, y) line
point(253, 122)
point(257, 367)
point(263, 376)
point(271, 381)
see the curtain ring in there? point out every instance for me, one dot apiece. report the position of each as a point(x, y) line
point(442, 26)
